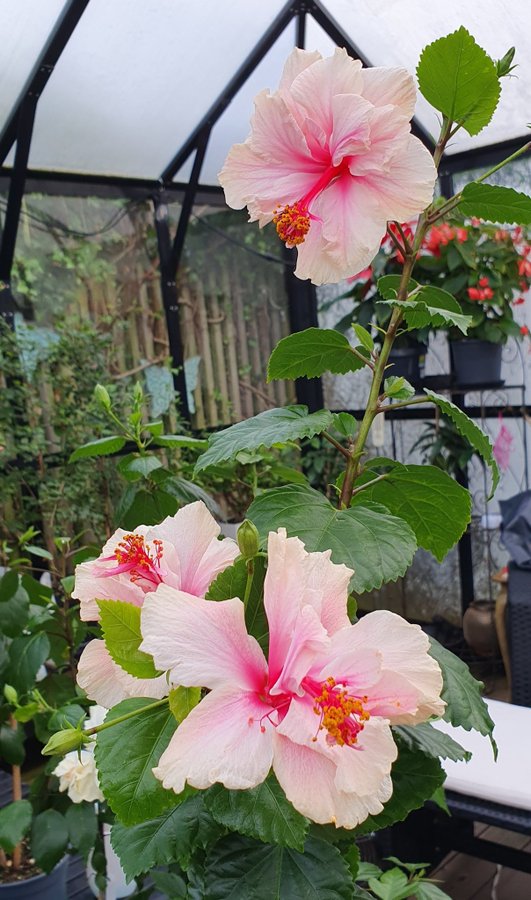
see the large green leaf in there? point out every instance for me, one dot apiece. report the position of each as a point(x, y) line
point(171, 837)
point(102, 447)
point(416, 777)
point(231, 583)
point(367, 538)
point(262, 812)
point(430, 306)
point(182, 701)
point(240, 868)
point(125, 757)
point(180, 441)
point(496, 204)
point(120, 623)
point(459, 79)
point(274, 426)
point(469, 430)
point(431, 502)
point(12, 749)
point(14, 605)
point(49, 839)
point(15, 819)
point(464, 704)
point(432, 741)
point(27, 654)
point(311, 353)
point(82, 824)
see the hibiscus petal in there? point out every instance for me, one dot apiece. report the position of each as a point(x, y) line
point(406, 188)
point(389, 132)
point(220, 740)
point(193, 531)
point(90, 585)
point(106, 682)
point(404, 649)
point(297, 62)
point(309, 780)
point(203, 642)
point(315, 87)
point(307, 639)
point(351, 130)
point(327, 589)
point(395, 86)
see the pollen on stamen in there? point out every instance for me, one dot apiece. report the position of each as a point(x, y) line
point(292, 223)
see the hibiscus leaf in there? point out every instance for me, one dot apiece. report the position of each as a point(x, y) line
point(170, 837)
point(231, 583)
point(431, 741)
point(274, 426)
point(459, 79)
point(102, 447)
point(239, 868)
point(377, 545)
point(469, 430)
point(27, 655)
point(262, 812)
point(311, 353)
point(182, 700)
point(15, 819)
point(120, 623)
point(49, 839)
point(496, 204)
point(430, 306)
point(431, 502)
point(14, 605)
point(462, 692)
point(416, 777)
point(125, 756)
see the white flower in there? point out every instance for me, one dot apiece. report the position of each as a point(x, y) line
point(78, 776)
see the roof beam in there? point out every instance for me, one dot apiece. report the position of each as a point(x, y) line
point(239, 78)
point(479, 157)
point(42, 69)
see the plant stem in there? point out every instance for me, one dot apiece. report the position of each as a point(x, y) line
point(331, 440)
point(130, 715)
point(249, 582)
point(365, 361)
point(402, 403)
point(17, 795)
point(362, 487)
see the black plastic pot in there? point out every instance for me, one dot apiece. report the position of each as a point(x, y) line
point(476, 362)
point(40, 887)
point(407, 362)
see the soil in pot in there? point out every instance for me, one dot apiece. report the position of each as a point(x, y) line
point(476, 362)
point(30, 883)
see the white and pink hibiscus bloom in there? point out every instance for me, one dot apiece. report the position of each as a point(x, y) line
point(331, 159)
point(183, 551)
point(318, 711)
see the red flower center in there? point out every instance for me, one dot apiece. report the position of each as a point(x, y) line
point(342, 715)
point(294, 220)
point(133, 555)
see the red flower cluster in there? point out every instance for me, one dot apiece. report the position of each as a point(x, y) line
point(482, 292)
point(441, 235)
point(524, 330)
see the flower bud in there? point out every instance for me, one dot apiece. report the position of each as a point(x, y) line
point(503, 65)
point(10, 694)
point(248, 539)
point(101, 394)
point(64, 741)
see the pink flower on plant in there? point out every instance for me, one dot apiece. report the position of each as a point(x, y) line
point(183, 551)
point(318, 711)
point(330, 159)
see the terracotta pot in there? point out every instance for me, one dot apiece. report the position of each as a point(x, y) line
point(479, 628)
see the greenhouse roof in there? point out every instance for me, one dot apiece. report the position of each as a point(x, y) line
point(128, 89)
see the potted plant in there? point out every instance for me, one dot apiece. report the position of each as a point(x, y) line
point(488, 270)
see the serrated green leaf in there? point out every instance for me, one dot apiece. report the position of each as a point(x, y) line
point(240, 868)
point(415, 778)
point(120, 623)
point(14, 605)
point(426, 890)
point(27, 654)
point(496, 204)
point(274, 426)
point(232, 582)
point(171, 884)
point(377, 545)
point(102, 447)
point(262, 813)
point(345, 423)
point(464, 704)
point(388, 286)
point(170, 837)
point(398, 387)
point(429, 305)
point(431, 502)
point(459, 79)
point(431, 741)
point(49, 839)
point(125, 756)
point(469, 430)
point(82, 824)
point(180, 441)
point(311, 353)
point(15, 820)
point(134, 468)
point(182, 700)
point(363, 336)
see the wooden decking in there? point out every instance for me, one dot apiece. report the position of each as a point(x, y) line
point(466, 878)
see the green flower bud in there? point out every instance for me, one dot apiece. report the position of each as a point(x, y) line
point(101, 394)
point(64, 741)
point(503, 65)
point(248, 539)
point(10, 694)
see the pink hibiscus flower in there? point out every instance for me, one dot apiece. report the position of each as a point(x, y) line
point(330, 159)
point(183, 551)
point(318, 712)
